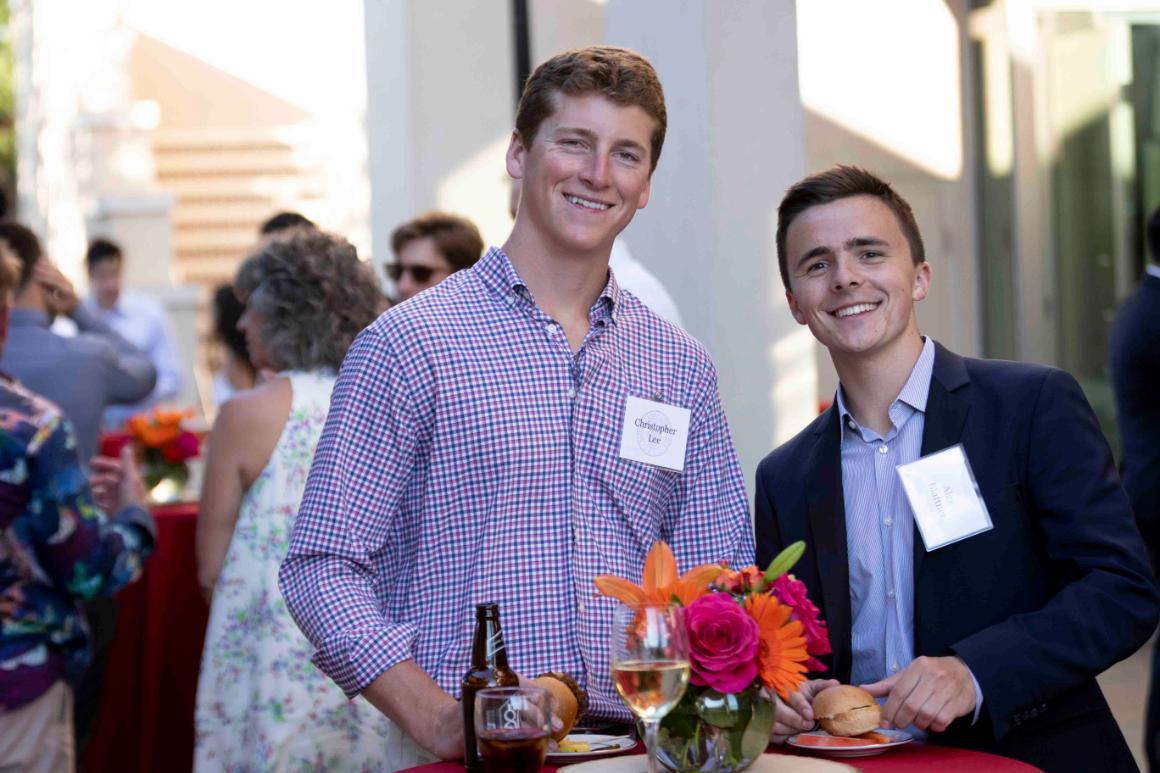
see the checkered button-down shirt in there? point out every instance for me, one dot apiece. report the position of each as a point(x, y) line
point(470, 456)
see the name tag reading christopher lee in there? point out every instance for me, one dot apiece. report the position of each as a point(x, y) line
point(944, 497)
point(655, 433)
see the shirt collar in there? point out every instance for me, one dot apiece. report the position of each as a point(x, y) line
point(916, 389)
point(1153, 269)
point(28, 318)
point(497, 273)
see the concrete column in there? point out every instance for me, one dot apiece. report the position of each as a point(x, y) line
point(439, 113)
point(734, 144)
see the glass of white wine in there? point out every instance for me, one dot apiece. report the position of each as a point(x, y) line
point(650, 664)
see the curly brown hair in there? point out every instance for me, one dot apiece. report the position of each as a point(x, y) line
point(312, 296)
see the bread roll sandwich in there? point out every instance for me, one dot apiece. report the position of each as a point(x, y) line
point(846, 710)
point(569, 701)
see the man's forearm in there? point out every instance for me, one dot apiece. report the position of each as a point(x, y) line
point(414, 702)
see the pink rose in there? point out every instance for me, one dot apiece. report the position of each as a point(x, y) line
point(792, 592)
point(722, 643)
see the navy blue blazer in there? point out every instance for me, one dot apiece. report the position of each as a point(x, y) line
point(1134, 357)
point(1059, 590)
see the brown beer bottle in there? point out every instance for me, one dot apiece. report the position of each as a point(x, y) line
point(489, 668)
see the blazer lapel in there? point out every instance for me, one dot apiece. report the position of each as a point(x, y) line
point(945, 416)
point(827, 518)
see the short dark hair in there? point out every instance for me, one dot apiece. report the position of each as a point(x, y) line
point(312, 295)
point(1153, 236)
point(24, 245)
point(227, 310)
point(617, 74)
point(456, 238)
point(842, 182)
point(101, 250)
point(284, 221)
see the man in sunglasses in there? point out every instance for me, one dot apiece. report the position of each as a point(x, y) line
point(431, 248)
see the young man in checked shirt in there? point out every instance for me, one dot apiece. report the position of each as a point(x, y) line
point(474, 446)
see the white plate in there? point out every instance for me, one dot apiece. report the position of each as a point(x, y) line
point(605, 744)
point(898, 738)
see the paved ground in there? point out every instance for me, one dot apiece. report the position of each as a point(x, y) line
point(1126, 688)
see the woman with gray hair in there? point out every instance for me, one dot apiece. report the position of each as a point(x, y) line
point(261, 703)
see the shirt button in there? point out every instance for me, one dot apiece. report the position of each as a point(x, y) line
point(888, 522)
point(580, 607)
point(890, 594)
point(571, 392)
point(552, 328)
point(851, 424)
point(510, 299)
point(883, 449)
point(894, 667)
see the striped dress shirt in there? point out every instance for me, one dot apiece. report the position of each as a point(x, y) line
point(470, 456)
point(880, 531)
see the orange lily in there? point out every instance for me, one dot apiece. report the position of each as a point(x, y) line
point(660, 584)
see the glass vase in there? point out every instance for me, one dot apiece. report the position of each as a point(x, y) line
point(713, 732)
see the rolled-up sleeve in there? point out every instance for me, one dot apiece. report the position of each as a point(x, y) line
point(365, 458)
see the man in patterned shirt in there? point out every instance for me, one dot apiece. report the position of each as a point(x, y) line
point(56, 548)
point(486, 438)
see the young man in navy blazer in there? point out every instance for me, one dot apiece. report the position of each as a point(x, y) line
point(992, 642)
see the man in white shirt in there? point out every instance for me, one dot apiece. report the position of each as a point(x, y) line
point(140, 320)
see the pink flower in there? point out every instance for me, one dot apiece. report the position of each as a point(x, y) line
point(184, 446)
point(723, 641)
point(792, 592)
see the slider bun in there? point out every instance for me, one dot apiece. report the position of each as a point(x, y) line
point(569, 701)
point(846, 710)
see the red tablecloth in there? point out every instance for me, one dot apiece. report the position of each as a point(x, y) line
point(913, 757)
point(146, 716)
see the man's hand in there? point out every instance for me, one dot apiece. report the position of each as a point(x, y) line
point(930, 693)
point(797, 716)
point(445, 739)
point(58, 290)
point(116, 483)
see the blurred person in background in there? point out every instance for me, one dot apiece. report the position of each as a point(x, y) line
point(138, 319)
point(236, 373)
point(431, 248)
point(83, 375)
point(630, 273)
point(261, 704)
point(284, 222)
point(56, 548)
point(1134, 362)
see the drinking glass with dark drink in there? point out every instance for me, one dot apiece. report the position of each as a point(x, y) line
point(650, 664)
point(512, 726)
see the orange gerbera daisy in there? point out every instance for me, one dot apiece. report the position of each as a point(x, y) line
point(661, 584)
point(781, 652)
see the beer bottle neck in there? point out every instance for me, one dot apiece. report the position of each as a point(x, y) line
point(487, 648)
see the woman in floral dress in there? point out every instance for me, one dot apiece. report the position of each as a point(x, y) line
point(261, 703)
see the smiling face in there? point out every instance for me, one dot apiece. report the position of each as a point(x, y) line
point(584, 175)
point(852, 278)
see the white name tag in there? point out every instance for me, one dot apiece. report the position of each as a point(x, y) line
point(945, 498)
point(655, 433)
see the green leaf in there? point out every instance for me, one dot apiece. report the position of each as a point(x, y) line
point(756, 736)
point(784, 562)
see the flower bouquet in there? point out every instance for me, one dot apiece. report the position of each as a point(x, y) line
point(750, 633)
point(165, 450)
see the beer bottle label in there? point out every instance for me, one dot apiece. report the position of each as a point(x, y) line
point(494, 645)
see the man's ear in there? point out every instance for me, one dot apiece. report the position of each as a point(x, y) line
point(921, 281)
point(794, 309)
point(516, 157)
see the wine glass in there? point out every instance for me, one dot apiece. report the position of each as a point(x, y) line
point(512, 725)
point(650, 664)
